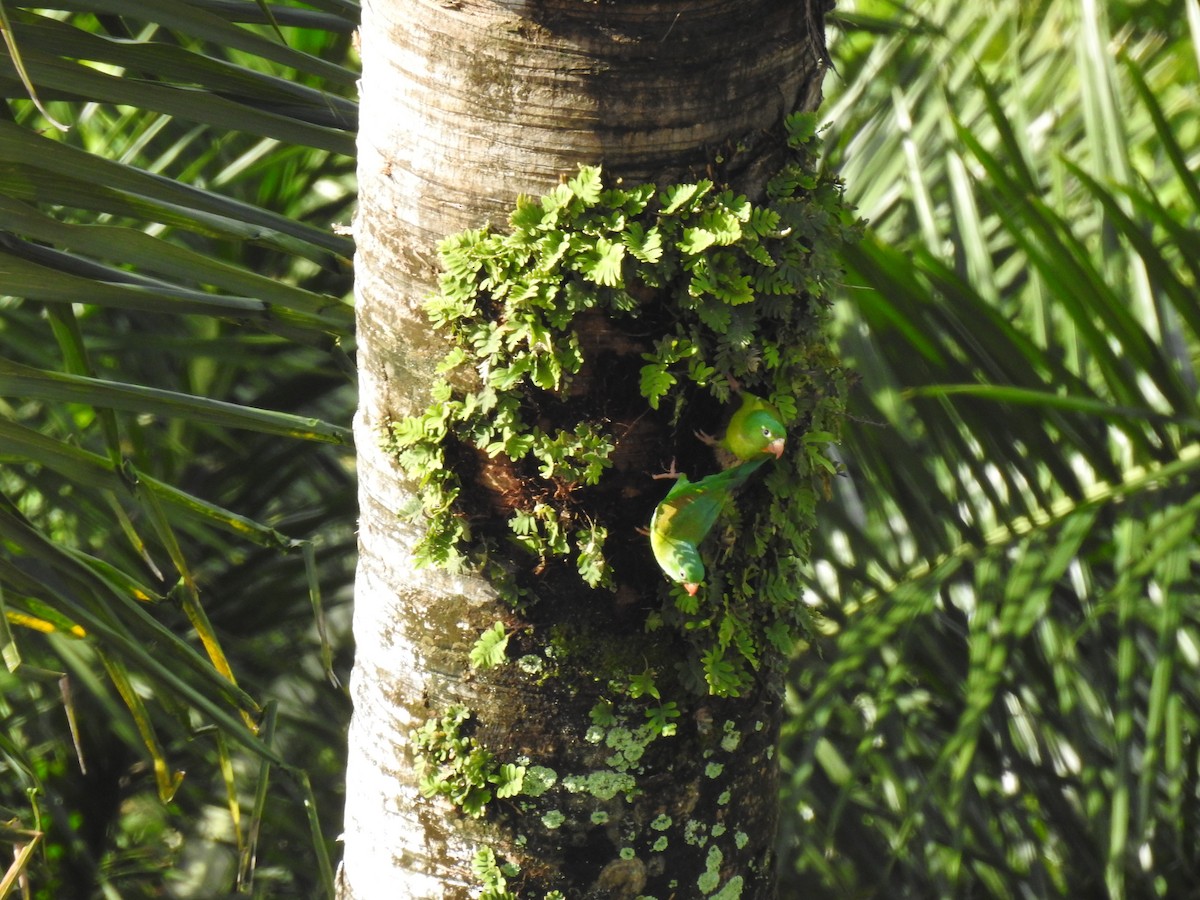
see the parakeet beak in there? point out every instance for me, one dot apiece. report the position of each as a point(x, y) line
point(775, 448)
point(691, 588)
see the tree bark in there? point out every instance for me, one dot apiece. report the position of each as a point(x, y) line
point(465, 105)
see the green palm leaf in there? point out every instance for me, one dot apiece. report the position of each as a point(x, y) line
point(172, 303)
point(1008, 576)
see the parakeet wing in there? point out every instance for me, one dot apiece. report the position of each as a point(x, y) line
point(690, 510)
point(685, 516)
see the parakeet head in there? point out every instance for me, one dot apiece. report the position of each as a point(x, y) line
point(767, 434)
point(688, 569)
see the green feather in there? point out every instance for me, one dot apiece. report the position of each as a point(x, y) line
point(686, 515)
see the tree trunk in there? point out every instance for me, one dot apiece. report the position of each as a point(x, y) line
point(465, 105)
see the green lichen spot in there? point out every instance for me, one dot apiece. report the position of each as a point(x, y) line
point(731, 891)
point(627, 744)
point(660, 845)
point(718, 830)
point(606, 785)
point(538, 780)
point(599, 817)
point(731, 739)
point(627, 853)
point(553, 819)
point(712, 870)
point(530, 664)
point(601, 785)
point(741, 839)
point(714, 770)
point(723, 800)
point(662, 823)
point(695, 834)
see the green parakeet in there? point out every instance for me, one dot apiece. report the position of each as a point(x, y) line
point(754, 429)
point(685, 516)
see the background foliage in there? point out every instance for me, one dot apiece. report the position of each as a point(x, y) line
point(174, 403)
point(1006, 703)
point(1006, 697)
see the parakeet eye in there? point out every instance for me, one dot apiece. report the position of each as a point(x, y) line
point(682, 574)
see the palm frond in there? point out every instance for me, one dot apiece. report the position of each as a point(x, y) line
point(172, 303)
point(1010, 573)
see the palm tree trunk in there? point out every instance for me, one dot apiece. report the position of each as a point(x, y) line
point(465, 105)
